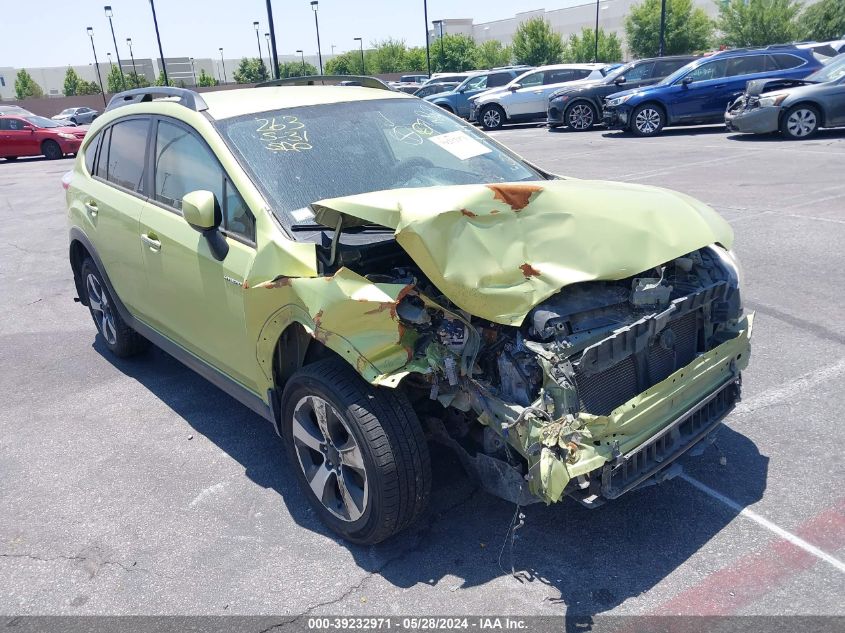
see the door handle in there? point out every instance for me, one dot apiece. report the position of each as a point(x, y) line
point(91, 207)
point(151, 240)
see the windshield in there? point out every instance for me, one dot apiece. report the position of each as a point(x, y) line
point(616, 72)
point(833, 71)
point(680, 73)
point(297, 156)
point(40, 121)
point(66, 111)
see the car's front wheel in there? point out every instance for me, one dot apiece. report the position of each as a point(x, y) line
point(647, 120)
point(581, 116)
point(121, 339)
point(11, 158)
point(800, 122)
point(492, 117)
point(358, 451)
point(51, 150)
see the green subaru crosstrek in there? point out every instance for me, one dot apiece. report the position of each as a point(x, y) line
point(372, 275)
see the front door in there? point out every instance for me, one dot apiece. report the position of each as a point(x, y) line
point(193, 295)
point(696, 100)
point(522, 101)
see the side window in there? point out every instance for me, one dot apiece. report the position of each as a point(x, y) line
point(749, 65)
point(558, 76)
point(638, 73)
point(534, 79)
point(4, 124)
point(666, 68)
point(127, 152)
point(581, 73)
point(785, 61)
point(13, 124)
point(708, 71)
point(183, 164)
point(102, 164)
point(478, 83)
point(498, 79)
point(91, 153)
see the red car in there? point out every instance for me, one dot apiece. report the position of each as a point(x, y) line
point(22, 135)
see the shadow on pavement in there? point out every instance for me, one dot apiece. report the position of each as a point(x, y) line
point(594, 559)
point(700, 130)
point(776, 137)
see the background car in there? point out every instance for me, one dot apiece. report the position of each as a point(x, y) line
point(449, 76)
point(79, 116)
point(413, 79)
point(796, 107)
point(526, 97)
point(457, 101)
point(700, 92)
point(580, 107)
point(15, 110)
point(36, 136)
point(434, 88)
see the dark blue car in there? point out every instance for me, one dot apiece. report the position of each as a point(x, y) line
point(700, 92)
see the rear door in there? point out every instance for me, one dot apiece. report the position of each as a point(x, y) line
point(190, 296)
point(739, 71)
point(113, 198)
point(9, 143)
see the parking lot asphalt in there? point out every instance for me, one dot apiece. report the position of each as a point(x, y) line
point(135, 487)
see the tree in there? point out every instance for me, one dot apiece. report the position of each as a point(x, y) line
point(348, 63)
point(71, 87)
point(491, 53)
point(115, 80)
point(536, 44)
point(389, 55)
point(294, 69)
point(822, 21)
point(758, 22)
point(582, 48)
point(134, 80)
point(26, 87)
point(688, 28)
point(88, 88)
point(415, 59)
point(453, 53)
point(205, 79)
point(160, 81)
point(251, 71)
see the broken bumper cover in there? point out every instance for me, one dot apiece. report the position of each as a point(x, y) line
point(615, 118)
point(760, 120)
point(594, 458)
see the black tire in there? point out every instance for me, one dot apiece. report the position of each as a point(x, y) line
point(51, 150)
point(386, 432)
point(11, 158)
point(446, 107)
point(580, 116)
point(491, 116)
point(800, 121)
point(121, 339)
point(74, 121)
point(647, 119)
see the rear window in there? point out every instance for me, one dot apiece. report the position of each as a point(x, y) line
point(498, 79)
point(127, 151)
point(785, 61)
point(749, 65)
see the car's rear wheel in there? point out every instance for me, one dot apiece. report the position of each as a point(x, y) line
point(51, 149)
point(647, 120)
point(492, 117)
point(581, 116)
point(800, 122)
point(121, 339)
point(358, 451)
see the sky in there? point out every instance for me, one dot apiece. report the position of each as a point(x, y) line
point(52, 33)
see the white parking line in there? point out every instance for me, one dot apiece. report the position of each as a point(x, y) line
point(750, 514)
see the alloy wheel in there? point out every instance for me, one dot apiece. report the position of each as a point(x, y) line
point(492, 118)
point(101, 308)
point(647, 120)
point(330, 458)
point(581, 117)
point(801, 123)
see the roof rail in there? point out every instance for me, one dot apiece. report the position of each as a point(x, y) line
point(187, 98)
point(751, 49)
point(328, 80)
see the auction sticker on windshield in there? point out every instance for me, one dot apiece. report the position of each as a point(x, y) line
point(460, 144)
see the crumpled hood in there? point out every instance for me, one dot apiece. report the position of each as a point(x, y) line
point(759, 86)
point(498, 250)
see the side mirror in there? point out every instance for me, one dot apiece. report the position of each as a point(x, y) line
point(200, 210)
point(514, 87)
point(619, 80)
point(462, 90)
point(686, 81)
point(27, 126)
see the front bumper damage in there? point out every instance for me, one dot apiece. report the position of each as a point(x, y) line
point(615, 118)
point(746, 115)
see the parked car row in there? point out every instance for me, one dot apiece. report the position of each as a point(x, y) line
point(31, 135)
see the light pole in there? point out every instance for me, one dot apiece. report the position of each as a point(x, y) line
point(111, 63)
point(269, 54)
point(108, 11)
point(427, 38)
point(317, 24)
point(158, 39)
point(258, 41)
point(662, 46)
point(193, 70)
point(361, 44)
point(303, 60)
point(596, 53)
point(132, 55)
point(439, 24)
point(90, 32)
point(223, 64)
point(275, 56)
